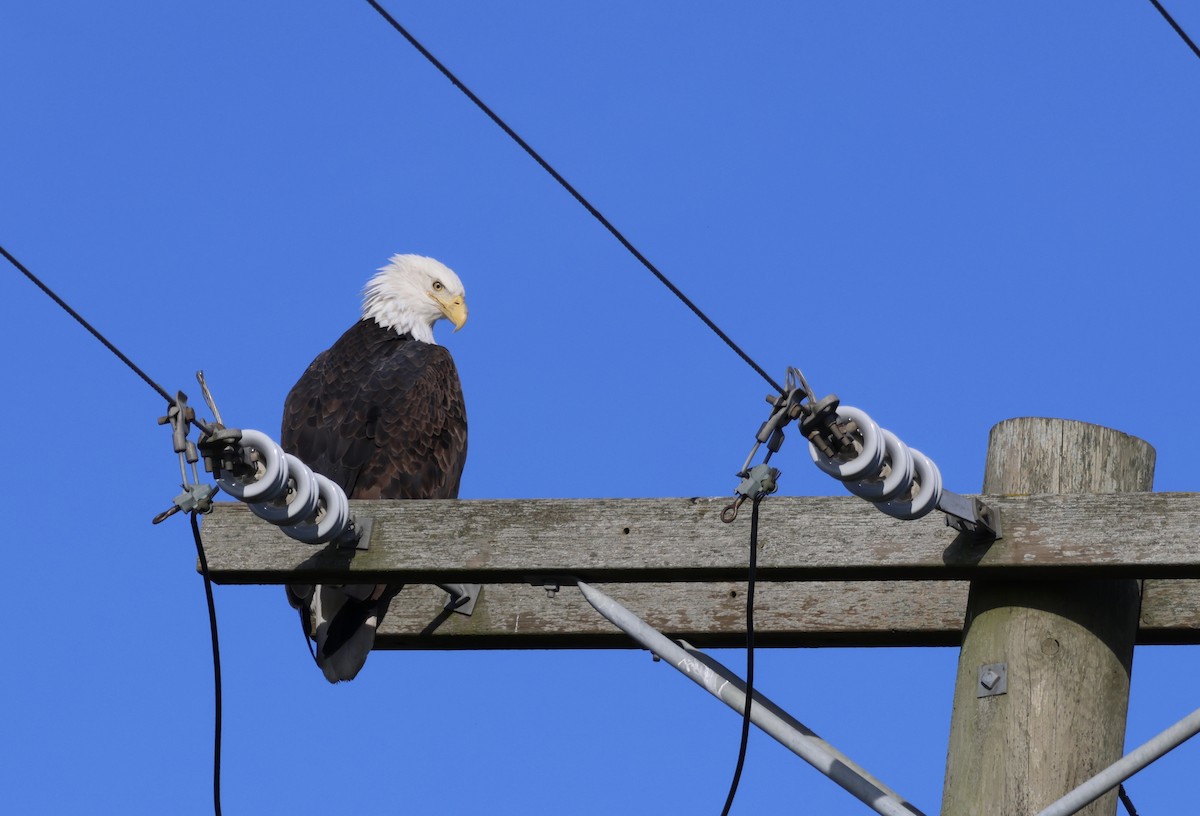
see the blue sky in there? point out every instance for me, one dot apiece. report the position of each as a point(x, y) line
point(948, 214)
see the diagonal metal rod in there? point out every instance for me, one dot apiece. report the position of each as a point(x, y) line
point(726, 686)
point(1126, 766)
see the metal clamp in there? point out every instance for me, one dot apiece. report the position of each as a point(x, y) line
point(463, 597)
point(761, 480)
point(970, 516)
point(817, 420)
point(196, 497)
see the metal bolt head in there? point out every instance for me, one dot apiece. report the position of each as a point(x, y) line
point(993, 680)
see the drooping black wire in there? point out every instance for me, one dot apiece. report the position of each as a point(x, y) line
point(216, 653)
point(212, 610)
point(1126, 801)
point(750, 579)
point(566, 185)
point(1178, 30)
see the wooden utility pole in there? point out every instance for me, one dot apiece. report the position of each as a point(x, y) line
point(1066, 647)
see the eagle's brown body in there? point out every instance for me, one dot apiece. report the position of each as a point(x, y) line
point(382, 415)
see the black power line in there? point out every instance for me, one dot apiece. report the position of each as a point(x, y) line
point(79, 318)
point(212, 611)
point(216, 656)
point(566, 185)
point(1126, 801)
point(66, 307)
point(750, 582)
point(1167, 16)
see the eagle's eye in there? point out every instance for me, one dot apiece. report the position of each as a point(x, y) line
point(437, 286)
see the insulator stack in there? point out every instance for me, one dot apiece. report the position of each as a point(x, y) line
point(899, 480)
point(284, 491)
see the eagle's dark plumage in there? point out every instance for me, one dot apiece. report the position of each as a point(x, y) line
point(380, 413)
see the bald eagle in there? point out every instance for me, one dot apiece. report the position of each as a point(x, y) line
point(380, 413)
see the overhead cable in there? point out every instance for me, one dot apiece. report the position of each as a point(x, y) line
point(747, 717)
point(566, 185)
point(1126, 801)
point(66, 307)
point(216, 657)
point(79, 319)
point(212, 611)
point(1178, 30)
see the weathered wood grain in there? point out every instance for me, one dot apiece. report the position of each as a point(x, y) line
point(683, 570)
point(706, 615)
point(1137, 535)
point(711, 615)
point(1067, 644)
point(1170, 612)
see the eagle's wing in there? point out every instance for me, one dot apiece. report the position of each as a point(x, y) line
point(383, 416)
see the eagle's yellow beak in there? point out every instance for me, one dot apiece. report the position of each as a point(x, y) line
point(455, 309)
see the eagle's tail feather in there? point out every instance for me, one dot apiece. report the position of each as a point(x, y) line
point(342, 620)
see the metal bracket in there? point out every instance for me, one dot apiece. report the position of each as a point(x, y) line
point(970, 515)
point(818, 422)
point(993, 680)
point(220, 451)
point(462, 597)
point(759, 481)
point(359, 534)
point(196, 497)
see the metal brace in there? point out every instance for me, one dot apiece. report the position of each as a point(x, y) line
point(358, 534)
point(462, 597)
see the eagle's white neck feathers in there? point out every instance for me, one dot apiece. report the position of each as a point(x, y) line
point(400, 296)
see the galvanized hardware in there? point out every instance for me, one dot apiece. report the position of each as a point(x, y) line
point(993, 680)
point(222, 453)
point(208, 398)
point(195, 497)
point(358, 534)
point(870, 461)
point(180, 416)
point(760, 481)
point(253, 468)
point(263, 474)
point(814, 416)
point(970, 516)
point(462, 597)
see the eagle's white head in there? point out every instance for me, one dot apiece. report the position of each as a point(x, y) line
point(412, 293)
